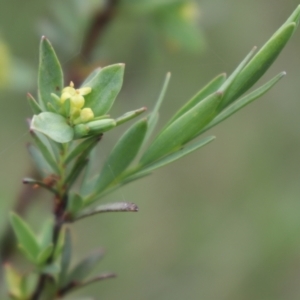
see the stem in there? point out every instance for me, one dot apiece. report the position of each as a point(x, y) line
point(98, 25)
point(60, 205)
point(93, 34)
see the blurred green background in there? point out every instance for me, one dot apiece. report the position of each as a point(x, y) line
point(222, 223)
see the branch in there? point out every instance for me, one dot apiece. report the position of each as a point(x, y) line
point(97, 27)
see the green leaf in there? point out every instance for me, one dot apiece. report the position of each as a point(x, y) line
point(51, 269)
point(93, 128)
point(109, 207)
point(46, 234)
point(83, 147)
point(75, 204)
point(294, 17)
point(228, 82)
point(83, 269)
point(105, 85)
point(50, 78)
point(174, 156)
point(79, 285)
point(259, 64)
point(65, 258)
point(90, 77)
point(76, 170)
point(45, 151)
point(122, 154)
point(183, 129)
point(80, 163)
point(240, 103)
point(35, 107)
point(27, 255)
point(25, 236)
point(40, 162)
point(129, 115)
point(40, 184)
point(89, 178)
point(49, 290)
point(54, 126)
point(153, 118)
point(210, 88)
point(13, 281)
point(93, 197)
point(45, 254)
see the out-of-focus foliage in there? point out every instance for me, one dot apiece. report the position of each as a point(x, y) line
point(14, 73)
point(173, 23)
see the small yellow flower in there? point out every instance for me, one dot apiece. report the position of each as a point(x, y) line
point(75, 95)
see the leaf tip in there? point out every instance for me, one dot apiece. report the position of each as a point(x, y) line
point(283, 73)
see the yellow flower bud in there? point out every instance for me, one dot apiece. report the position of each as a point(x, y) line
point(77, 101)
point(86, 115)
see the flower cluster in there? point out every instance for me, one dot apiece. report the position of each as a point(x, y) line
point(71, 103)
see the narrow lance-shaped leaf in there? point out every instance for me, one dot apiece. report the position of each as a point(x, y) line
point(121, 182)
point(80, 162)
point(45, 254)
point(50, 77)
point(79, 165)
point(210, 88)
point(54, 126)
point(39, 183)
point(153, 118)
point(258, 65)
point(35, 107)
point(105, 85)
point(13, 280)
point(183, 129)
point(45, 152)
point(49, 289)
point(89, 178)
point(122, 154)
point(237, 71)
point(93, 128)
point(293, 18)
point(46, 234)
point(172, 157)
point(75, 204)
point(240, 103)
point(77, 285)
point(85, 267)
point(24, 235)
point(110, 207)
point(42, 165)
point(27, 254)
point(90, 77)
point(86, 145)
point(130, 115)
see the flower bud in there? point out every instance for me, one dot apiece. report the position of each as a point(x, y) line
point(86, 115)
point(93, 128)
point(77, 101)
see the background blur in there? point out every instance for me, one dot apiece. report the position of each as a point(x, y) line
point(222, 223)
